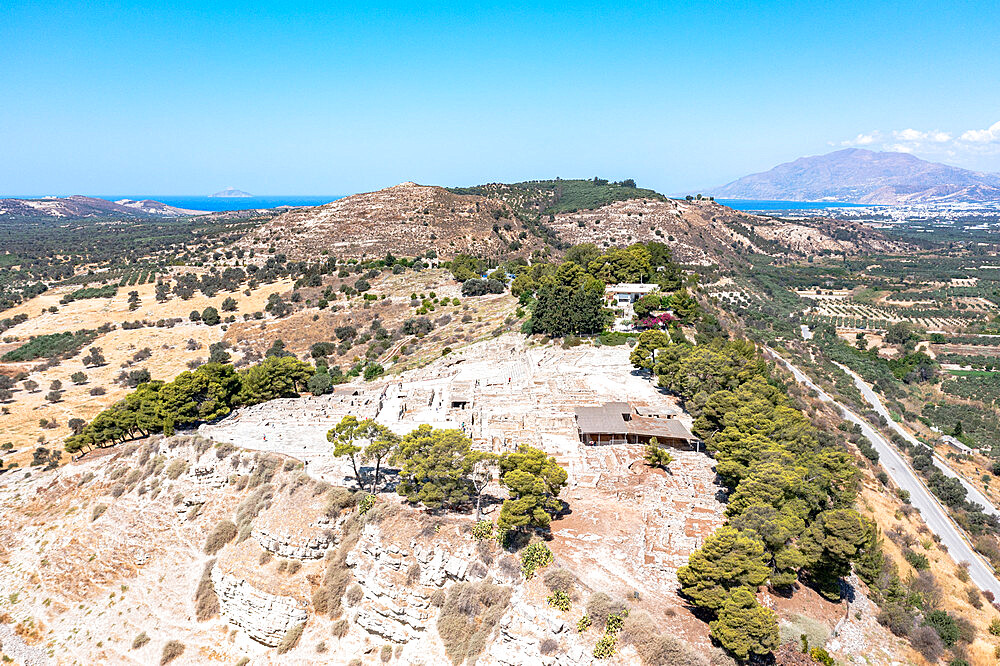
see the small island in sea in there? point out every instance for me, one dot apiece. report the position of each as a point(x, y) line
point(231, 193)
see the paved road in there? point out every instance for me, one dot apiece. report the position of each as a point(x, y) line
point(905, 477)
point(875, 401)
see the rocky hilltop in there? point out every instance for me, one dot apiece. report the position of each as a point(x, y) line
point(703, 232)
point(407, 220)
point(78, 206)
point(498, 221)
point(862, 176)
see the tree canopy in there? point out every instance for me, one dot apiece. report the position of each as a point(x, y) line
point(534, 481)
point(209, 392)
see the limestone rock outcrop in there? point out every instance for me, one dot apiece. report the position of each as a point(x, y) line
point(264, 617)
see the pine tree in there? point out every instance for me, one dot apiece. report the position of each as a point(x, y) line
point(744, 627)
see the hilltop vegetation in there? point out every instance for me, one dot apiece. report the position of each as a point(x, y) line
point(561, 196)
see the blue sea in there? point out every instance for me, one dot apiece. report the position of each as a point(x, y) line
point(760, 204)
point(215, 204)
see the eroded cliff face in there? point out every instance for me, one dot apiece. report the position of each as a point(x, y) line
point(266, 618)
point(124, 545)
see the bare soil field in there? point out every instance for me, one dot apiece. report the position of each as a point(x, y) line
point(168, 347)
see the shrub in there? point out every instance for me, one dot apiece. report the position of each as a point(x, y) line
point(600, 607)
point(386, 654)
point(482, 530)
point(605, 648)
point(917, 560)
point(583, 624)
point(642, 632)
point(794, 626)
point(470, 613)
point(560, 580)
point(98, 512)
point(548, 646)
point(140, 641)
point(223, 533)
point(559, 599)
point(926, 641)
point(354, 594)
point(896, 617)
point(206, 602)
point(340, 628)
point(291, 638)
point(171, 651)
point(176, 467)
point(944, 625)
point(533, 557)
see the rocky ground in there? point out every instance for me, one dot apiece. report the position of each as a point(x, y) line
point(407, 219)
point(261, 555)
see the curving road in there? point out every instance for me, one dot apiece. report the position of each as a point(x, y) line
point(973, 493)
point(905, 477)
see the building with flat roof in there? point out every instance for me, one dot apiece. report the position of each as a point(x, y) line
point(619, 423)
point(622, 295)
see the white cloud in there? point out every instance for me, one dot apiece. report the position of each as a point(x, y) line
point(940, 144)
point(862, 139)
point(989, 135)
point(909, 135)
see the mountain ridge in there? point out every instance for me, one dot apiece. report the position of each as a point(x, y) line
point(79, 206)
point(857, 175)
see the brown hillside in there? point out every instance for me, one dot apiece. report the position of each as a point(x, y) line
point(704, 232)
point(407, 220)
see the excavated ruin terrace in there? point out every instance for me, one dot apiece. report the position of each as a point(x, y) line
point(113, 546)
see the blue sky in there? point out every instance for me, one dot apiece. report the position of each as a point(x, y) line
point(330, 98)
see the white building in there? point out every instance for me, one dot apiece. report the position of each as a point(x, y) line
point(624, 295)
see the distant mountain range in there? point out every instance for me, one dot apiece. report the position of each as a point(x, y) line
point(231, 193)
point(862, 176)
point(80, 206)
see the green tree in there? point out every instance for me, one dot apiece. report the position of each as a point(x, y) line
point(465, 267)
point(650, 342)
point(834, 538)
point(582, 254)
point(79, 377)
point(229, 304)
point(621, 265)
point(898, 333)
point(210, 316)
point(728, 559)
point(646, 305)
point(362, 441)
point(684, 306)
point(657, 456)
point(382, 444)
point(435, 465)
point(569, 302)
point(744, 627)
point(274, 377)
point(534, 481)
point(320, 383)
point(205, 394)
